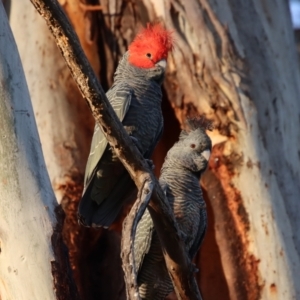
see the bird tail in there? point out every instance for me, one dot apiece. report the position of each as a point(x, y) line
point(91, 214)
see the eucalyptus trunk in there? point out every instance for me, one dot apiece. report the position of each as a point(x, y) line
point(27, 200)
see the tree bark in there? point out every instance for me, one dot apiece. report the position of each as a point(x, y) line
point(59, 109)
point(27, 201)
point(57, 102)
point(243, 78)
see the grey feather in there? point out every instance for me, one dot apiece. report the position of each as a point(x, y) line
point(120, 102)
point(179, 178)
point(136, 98)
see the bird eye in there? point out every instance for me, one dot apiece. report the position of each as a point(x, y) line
point(148, 55)
point(192, 146)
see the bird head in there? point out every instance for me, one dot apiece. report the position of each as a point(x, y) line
point(193, 149)
point(150, 47)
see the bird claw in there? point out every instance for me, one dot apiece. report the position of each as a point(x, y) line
point(138, 145)
point(150, 163)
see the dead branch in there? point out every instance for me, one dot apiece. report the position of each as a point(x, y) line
point(177, 261)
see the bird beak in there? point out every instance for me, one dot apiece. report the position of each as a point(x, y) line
point(206, 154)
point(162, 63)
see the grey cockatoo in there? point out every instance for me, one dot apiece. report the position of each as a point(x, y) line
point(180, 175)
point(136, 98)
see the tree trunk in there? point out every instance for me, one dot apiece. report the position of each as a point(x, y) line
point(27, 200)
point(243, 77)
point(65, 126)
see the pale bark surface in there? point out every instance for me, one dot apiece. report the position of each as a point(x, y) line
point(64, 121)
point(27, 200)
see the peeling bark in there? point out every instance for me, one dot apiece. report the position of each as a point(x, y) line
point(233, 221)
point(64, 284)
point(239, 78)
point(211, 277)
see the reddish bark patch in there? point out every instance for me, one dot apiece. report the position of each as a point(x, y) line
point(94, 253)
point(208, 261)
point(232, 223)
point(273, 288)
point(83, 16)
point(72, 189)
point(64, 285)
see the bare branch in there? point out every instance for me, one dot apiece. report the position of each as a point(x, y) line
point(177, 261)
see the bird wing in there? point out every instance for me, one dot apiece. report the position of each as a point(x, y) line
point(120, 99)
point(200, 233)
